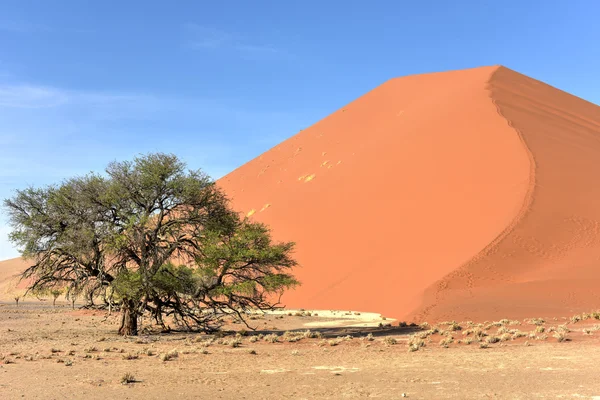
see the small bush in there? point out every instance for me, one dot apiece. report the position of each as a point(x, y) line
point(390, 340)
point(272, 338)
point(492, 339)
point(518, 334)
point(540, 329)
point(312, 335)
point(561, 336)
point(453, 326)
point(536, 321)
point(169, 356)
point(483, 345)
point(127, 378)
point(505, 337)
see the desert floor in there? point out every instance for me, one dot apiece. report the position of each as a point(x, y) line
point(64, 354)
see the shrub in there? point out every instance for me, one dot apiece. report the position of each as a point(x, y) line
point(453, 326)
point(271, 338)
point(505, 337)
point(127, 378)
point(390, 340)
point(492, 339)
point(416, 341)
point(561, 336)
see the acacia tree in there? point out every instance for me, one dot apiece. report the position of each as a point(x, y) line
point(162, 238)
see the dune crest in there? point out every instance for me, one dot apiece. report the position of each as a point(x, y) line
point(548, 262)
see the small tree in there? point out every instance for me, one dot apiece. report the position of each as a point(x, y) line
point(55, 294)
point(163, 238)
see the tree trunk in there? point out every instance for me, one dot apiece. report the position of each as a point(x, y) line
point(129, 319)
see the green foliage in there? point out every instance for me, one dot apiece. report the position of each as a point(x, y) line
point(161, 237)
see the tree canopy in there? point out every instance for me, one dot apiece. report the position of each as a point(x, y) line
point(162, 239)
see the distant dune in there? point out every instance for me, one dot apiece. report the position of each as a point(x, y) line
point(10, 283)
point(460, 195)
point(465, 195)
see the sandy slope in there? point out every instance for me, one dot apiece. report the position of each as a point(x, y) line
point(460, 195)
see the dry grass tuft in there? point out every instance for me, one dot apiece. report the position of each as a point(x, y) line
point(271, 338)
point(127, 378)
point(561, 336)
point(389, 340)
point(492, 339)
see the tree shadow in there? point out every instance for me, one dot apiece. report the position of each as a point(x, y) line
point(356, 331)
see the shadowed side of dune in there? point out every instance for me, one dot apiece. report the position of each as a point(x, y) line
point(548, 263)
point(391, 193)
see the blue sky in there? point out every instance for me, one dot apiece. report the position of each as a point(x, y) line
point(217, 83)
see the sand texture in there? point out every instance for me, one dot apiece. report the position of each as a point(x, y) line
point(460, 195)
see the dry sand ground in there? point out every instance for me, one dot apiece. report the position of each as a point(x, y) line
point(62, 354)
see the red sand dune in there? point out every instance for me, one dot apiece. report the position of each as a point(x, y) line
point(469, 194)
